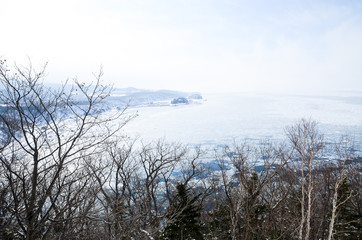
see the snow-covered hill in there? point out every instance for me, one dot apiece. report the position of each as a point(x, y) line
point(120, 97)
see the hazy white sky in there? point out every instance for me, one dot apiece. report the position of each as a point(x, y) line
point(192, 45)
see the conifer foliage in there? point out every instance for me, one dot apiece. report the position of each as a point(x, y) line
point(183, 217)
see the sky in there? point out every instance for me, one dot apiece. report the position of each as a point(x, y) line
point(190, 45)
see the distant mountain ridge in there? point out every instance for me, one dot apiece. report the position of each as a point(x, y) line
point(133, 97)
point(141, 97)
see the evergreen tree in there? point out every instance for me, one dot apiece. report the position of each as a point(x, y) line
point(349, 217)
point(183, 216)
point(219, 223)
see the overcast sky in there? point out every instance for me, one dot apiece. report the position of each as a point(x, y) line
point(191, 45)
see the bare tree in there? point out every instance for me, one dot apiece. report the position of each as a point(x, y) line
point(158, 162)
point(137, 182)
point(344, 169)
point(115, 176)
point(248, 177)
point(50, 133)
point(307, 142)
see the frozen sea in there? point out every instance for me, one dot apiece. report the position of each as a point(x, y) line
point(227, 117)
